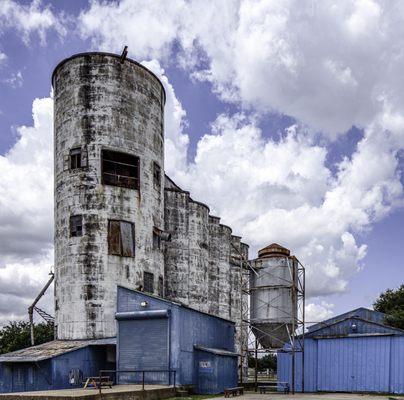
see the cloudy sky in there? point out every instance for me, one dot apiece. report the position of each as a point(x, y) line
point(286, 117)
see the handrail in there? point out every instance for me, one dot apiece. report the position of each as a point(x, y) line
point(143, 371)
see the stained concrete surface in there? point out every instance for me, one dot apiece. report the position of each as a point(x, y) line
point(121, 392)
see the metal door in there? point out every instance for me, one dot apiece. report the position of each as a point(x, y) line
point(353, 364)
point(144, 345)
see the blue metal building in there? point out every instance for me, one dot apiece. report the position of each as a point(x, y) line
point(159, 335)
point(59, 364)
point(353, 352)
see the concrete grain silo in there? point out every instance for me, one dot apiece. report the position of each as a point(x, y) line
point(109, 188)
point(177, 253)
point(273, 308)
point(198, 234)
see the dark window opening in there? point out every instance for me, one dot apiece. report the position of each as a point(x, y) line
point(156, 238)
point(120, 169)
point(148, 282)
point(76, 225)
point(156, 175)
point(161, 287)
point(75, 158)
point(121, 238)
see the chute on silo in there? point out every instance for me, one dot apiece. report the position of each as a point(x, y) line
point(276, 296)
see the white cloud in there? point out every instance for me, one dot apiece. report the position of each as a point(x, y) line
point(15, 80)
point(3, 57)
point(20, 283)
point(317, 312)
point(29, 18)
point(127, 22)
point(175, 141)
point(26, 216)
point(325, 64)
point(26, 189)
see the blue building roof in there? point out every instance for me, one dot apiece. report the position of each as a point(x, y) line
point(360, 321)
point(52, 349)
point(361, 312)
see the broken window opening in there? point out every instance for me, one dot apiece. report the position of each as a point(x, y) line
point(76, 225)
point(156, 238)
point(120, 169)
point(148, 282)
point(156, 175)
point(161, 287)
point(121, 238)
point(75, 158)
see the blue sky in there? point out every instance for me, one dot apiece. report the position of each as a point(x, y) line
point(289, 136)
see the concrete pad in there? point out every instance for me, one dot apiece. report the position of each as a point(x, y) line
point(118, 392)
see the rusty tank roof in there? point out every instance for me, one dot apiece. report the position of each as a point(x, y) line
point(273, 250)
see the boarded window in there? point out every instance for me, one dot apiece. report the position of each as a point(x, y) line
point(75, 158)
point(156, 175)
point(76, 225)
point(161, 287)
point(120, 169)
point(156, 238)
point(121, 238)
point(148, 282)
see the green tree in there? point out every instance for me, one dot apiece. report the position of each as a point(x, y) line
point(264, 363)
point(391, 302)
point(16, 335)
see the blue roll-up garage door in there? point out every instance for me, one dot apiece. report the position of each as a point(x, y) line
point(354, 364)
point(143, 345)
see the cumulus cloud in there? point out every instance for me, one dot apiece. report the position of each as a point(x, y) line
point(26, 189)
point(26, 215)
point(326, 64)
point(20, 283)
point(175, 140)
point(317, 312)
point(29, 18)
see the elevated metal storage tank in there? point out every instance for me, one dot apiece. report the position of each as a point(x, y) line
point(273, 308)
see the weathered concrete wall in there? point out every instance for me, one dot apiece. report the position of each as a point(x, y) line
point(103, 104)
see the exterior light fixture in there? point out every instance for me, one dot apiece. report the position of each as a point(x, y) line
point(143, 304)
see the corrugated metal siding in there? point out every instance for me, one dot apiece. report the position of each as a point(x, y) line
point(5, 378)
point(143, 345)
point(310, 367)
point(214, 372)
point(355, 364)
point(397, 365)
point(187, 328)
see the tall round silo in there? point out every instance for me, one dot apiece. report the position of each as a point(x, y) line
point(273, 301)
point(109, 188)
